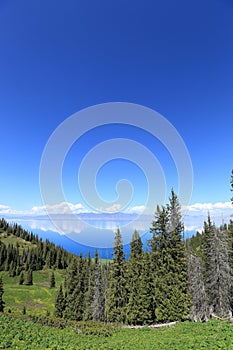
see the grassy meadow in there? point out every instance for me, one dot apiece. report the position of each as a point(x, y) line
point(37, 299)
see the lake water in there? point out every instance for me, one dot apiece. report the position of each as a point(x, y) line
point(89, 233)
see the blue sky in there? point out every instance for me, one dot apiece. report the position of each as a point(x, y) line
point(60, 57)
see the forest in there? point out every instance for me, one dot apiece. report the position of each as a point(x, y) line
point(172, 280)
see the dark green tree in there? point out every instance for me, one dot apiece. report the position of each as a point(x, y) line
point(24, 310)
point(135, 308)
point(21, 278)
point(76, 295)
point(98, 303)
point(218, 278)
point(116, 294)
point(232, 185)
point(171, 296)
point(52, 282)
point(2, 303)
point(88, 297)
point(59, 303)
point(29, 278)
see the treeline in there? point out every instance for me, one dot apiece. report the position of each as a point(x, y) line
point(175, 279)
point(151, 286)
point(210, 268)
point(36, 256)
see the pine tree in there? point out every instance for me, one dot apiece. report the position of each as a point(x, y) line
point(24, 310)
point(116, 294)
point(171, 297)
point(98, 297)
point(232, 185)
point(2, 303)
point(71, 278)
point(75, 297)
point(88, 297)
point(59, 303)
point(21, 278)
point(230, 234)
point(134, 308)
point(29, 280)
point(52, 280)
point(179, 257)
point(197, 289)
point(217, 269)
point(147, 290)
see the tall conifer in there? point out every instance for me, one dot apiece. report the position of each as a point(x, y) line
point(2, 303)
point(116, 294)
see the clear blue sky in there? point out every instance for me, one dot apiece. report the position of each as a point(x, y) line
point(58, 57)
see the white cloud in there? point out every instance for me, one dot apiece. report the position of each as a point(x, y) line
point(196, 214)
point(4, 209)
point(114, 208)
point(218, 208)
point(60, 208)
point(138, 209)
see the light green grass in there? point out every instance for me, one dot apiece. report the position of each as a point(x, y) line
point(7, 238)
point(38, 298)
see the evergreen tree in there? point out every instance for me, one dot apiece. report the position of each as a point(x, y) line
point(218, 273)
point(24, 310)
point(76, 295)
point(88, 297)
point(135, 308)
point(2, 303)
point(139, 285)
point(21, 278)
point(116, 294)
point(171, 297)
point(232, 185)
point(59, 303)
point(29, 280)
point(147, 290)
point(52, 280)
point(105, 276)
point(98, 297)
point(197, 289)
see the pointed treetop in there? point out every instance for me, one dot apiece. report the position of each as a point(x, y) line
point(232, 185)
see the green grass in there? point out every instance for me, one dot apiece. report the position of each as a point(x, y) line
point(37, 298)
point(20, 334)
point(8, 238)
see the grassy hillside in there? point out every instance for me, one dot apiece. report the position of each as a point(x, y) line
point(37, 298)
point(20, 334)
point(8, 238)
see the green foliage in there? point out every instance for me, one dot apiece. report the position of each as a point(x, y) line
point(218, 277)
point(2, 303)
point(29, 279)
point(116, 300)
point(21, 278)
point(232, 184)
point(21, 250)
point(139, 306)
point(98, 302)
point(37, 298)
point(149, 287)
point(59, 303)
point(76, 291)
point(22, 334)
point(52, 280)
point(171, 297)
